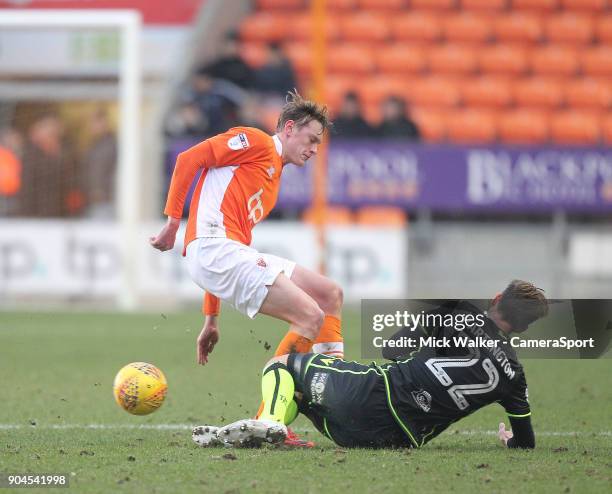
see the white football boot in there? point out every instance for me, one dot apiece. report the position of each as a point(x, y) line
point(206, 436)
point(251, 433)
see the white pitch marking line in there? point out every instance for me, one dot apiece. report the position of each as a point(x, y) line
point(299, 430)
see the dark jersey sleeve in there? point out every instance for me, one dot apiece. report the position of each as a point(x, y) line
point(523, 436)
point(519, 413)
point(515, 402)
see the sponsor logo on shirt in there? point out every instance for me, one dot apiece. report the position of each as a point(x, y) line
point(423, 399)
point(317, 386)
point(238, 142)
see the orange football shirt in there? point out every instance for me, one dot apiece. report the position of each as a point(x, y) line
point(238, 186)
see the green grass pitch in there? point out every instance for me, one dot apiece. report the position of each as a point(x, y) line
point(57, 414)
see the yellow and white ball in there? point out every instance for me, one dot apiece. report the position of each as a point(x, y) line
point(140, 388)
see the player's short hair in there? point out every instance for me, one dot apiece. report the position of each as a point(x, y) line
point(522, 303)
point(302, 112)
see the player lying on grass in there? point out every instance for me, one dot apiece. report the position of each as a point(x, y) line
point(404, 403)
point(239, 179)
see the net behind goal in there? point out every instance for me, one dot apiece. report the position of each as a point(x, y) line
point(70, 119)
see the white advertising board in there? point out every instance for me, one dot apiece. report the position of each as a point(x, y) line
point(83, 259)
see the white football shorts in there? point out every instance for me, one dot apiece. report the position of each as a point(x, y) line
point(234, 272)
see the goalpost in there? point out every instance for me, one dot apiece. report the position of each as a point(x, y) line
point(129, 166)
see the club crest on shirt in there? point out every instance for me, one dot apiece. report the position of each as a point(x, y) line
point(423, 399)
point(261, 263)
point(271, 171)
point(238, 142)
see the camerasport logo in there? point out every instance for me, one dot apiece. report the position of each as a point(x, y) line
point(423, 399)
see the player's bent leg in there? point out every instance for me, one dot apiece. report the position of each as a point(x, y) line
point(329, 296)
point(286, 301)
point(326, 293)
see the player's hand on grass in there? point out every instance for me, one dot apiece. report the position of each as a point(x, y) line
point(503, 434)
point(208, 339)
point(167, 236)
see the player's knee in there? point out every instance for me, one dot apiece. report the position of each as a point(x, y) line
point(333, 299)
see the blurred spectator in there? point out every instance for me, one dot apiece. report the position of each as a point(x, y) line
point(11, 144)
point(350, 122)
point(209, 106)
point(395, 122)
point(252, 113)
point(49, 173)
point(276, 76)
point(187, 121)
point(230, 65)
point(100, 167)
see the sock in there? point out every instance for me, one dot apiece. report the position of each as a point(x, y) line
point(330, 341)
point(277, 389)
point(293, 343)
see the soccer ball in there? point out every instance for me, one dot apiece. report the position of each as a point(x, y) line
point(140, 388)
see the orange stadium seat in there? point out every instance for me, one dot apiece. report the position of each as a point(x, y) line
point(302, 29)
point(569, 28)
point(350, 58)
point(334, 215)
point(382, 4)
point(484, 4)
point(433, 4)
point(572, 127)
point(466, 27)
point(431, 123)
point(416, 26)
point(554, 60)
point(591, 5)
point(604, 28)
point(300, 55)
point(589, 93)
point(364, 26)
point(540, 5)
point(471, 126)
point(266, 27)
point(374, 90)
point(538, 92)
point(486, 92)
point(401, 58)
point(434, 92)
point(451, 58)
point(523, 126)
point(341, 4)
point(607, 128)
point(518, 26)
point(381, 216)
point(598, 61)
point(280, 4)
point(254, 54)
point(503, 59)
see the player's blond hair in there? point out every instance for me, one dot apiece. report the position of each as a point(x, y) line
point(522, 303)
point(302, 111)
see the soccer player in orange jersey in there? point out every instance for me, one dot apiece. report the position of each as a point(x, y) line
point(239, 180)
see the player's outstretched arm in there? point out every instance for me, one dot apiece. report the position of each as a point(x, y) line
point(521, 435)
